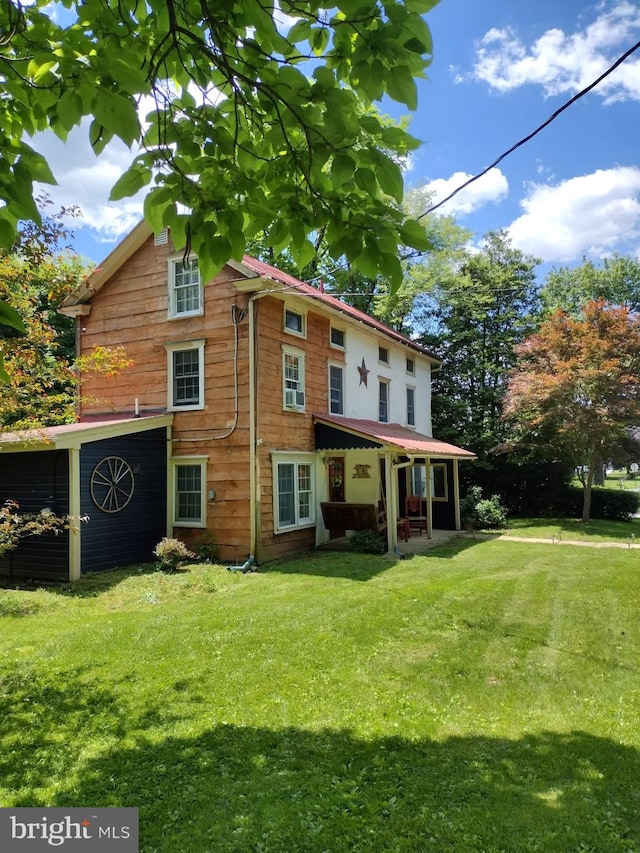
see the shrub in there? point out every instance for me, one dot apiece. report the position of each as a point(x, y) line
point(207, 549)
point(479, 512)
point(171, 552)
point(605, 503)
point(368, 542)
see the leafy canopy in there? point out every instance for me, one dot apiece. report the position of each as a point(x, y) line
point(576, 386)
point(256, 117)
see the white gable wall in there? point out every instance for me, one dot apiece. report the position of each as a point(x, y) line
point(361, 400)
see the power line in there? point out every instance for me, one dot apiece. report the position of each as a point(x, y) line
point(555, 115)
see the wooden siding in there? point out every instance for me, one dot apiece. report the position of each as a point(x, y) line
point(129, 536)
point(37, 479)
point(131, 310)
point(281, 430)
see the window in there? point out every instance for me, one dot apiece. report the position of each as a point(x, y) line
point(189, 483)
point(336, 389)
point(186, 375)
point(185, 288)
point(383, 355)
point(411, 367)
point(294, 322)
point(438, 480)
point(383, 402)
point(293, 379)
point(293, 491)
point(411, 406)
point(337, 337)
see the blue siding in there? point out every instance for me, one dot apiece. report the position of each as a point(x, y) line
point(129, 536)
point(37, 479)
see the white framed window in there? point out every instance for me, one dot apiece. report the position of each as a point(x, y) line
point(437, 477)
point(383, 401)
point(293, 397)
point(185, 375)
point(336, 389)
point(189, 483)
point(294, 322)
point(337, 338)
point(293, 491)
point(185, 288)
point(383, 355)
point(411, 366)
point(411, 406)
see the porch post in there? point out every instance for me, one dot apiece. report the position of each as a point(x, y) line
point(427, 466)
point(456, 494)
point(391, 492)
point(75, 536)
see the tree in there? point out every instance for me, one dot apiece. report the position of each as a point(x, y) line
point(575, 389)
point(617, 281)
point(480, 310)
point(42, 371)
point(255, 117)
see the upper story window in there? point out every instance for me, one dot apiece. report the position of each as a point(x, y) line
point(411, 406)
point(294, 322)
point(383, 355)
point(186, 375)
point(185, 288)
point(293, 379)
point(411, 366)
point(383, 402)
point(336, 389)
point(337, 337)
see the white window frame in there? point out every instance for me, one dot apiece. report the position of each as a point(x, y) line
point(340, 331)
point(340, 367)
point(296, 460)
point(384, 382)
point(183, 461)
point(184, 346)
point(418, 476)
point(384, 351)
point(410, 366)
point(303, 322)
point(174, 314)
point(291, 402)
point(411, 410)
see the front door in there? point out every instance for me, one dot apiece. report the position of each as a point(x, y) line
point(336, 487)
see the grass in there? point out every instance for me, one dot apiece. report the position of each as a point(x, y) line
point(596, 531)
point(482, 698)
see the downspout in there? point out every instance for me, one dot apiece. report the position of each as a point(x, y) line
point(254, 506)
point(392, 532)
point(429, 500)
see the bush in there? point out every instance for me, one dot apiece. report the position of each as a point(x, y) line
point(207, 549)
point(479, 512)
point(368, 542)
point(171, 552)
point(605, 503)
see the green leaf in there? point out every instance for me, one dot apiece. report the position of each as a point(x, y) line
point(413, 234)
point(342, 170)
point(134, 179)
point(303, 254)
point(399, 140)
point(420, 6)
point(37, 165)
point(402, 87)
point(389, 175)
point(4, 376)
point(10, 317)
point(390, 269)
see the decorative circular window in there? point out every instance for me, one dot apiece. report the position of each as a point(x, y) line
point(112, 484)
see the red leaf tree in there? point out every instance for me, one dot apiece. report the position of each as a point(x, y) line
point(575, 389)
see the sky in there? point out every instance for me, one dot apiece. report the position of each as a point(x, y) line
point(500, 69)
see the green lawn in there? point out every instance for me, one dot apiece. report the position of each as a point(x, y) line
point(572, 529)
point(482, 698)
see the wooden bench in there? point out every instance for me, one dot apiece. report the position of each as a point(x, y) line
point(339, 515)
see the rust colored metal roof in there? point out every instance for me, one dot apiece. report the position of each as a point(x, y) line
point(267, 271)
point(398, 436)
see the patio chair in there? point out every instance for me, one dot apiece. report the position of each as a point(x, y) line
point(413, 512)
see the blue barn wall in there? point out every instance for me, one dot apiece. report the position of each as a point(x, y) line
point(35, 480)
point(129, 536)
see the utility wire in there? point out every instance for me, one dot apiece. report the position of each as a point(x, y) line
point(555, 115)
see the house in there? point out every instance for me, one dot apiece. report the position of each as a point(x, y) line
point(254, 402)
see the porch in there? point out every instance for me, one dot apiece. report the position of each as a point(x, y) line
point(416, 544)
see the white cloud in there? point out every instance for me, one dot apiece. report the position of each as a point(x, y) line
point(489, 188)
point(592, 215)
point(86, 180)
point(561, 62)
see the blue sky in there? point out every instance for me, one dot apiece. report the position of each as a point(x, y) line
point(500, 68)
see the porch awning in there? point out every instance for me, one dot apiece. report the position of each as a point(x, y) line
point(337, 433)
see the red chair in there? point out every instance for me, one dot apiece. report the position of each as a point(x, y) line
point(413, 512)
